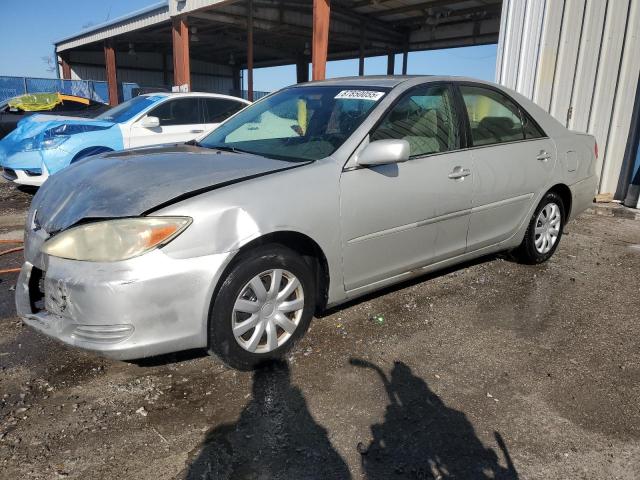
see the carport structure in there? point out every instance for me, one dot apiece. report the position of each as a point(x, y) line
point(207, 44)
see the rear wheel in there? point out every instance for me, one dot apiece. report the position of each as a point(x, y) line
point(544, 231)
point(265, 304)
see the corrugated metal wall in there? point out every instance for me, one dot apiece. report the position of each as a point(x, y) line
point(145, 69)
point(579, 60)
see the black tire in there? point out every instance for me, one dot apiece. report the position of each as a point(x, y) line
point(222, 341)
point(527, 252)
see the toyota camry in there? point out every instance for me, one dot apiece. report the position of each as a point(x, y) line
point(314, 195)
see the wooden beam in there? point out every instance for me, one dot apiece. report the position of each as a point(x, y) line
point(180, 38)
point(110, 64)
point(320, 35)
point(66, 68)
point(250, 50)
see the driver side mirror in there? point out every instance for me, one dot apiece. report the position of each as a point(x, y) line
point(150, 122)
point(382, 152)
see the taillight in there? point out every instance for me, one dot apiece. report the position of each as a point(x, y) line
point(595, 149)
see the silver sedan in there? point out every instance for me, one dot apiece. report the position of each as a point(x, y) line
point(313, 196)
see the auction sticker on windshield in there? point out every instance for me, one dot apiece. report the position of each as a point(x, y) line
point(360, 95)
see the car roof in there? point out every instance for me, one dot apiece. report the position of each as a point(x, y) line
point(390, 81)
point(387, 81)
point(193, 94)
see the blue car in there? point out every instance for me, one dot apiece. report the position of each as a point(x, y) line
point(42, 145)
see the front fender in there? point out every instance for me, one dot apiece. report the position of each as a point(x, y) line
point(58, 158)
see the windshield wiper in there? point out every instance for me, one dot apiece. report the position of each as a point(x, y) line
point(225, 148)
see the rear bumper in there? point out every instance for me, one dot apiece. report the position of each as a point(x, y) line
point(582, 194)
point(149, 305)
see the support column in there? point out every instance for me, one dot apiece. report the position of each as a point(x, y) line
point(391, 63)
point(302, 69)
point(237, 86)
point(181, 66)
point(110, 63)
point(250, 51)
point(320, 41)
point(362, 40)
point(66, 68)
point(165, 70)
point(405, 59)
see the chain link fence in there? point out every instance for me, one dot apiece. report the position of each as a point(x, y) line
point(94, 89)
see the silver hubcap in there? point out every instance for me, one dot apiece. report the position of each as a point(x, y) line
point(548, 226)
point(267, 311)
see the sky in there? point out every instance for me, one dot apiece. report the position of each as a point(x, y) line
point(29, 28)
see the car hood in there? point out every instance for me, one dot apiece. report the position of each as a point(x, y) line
point(32, 125)
point(134, 182)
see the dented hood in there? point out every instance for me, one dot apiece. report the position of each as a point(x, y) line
point(133, 182)
point(34, 125)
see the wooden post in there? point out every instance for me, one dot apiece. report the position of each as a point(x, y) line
point(110, 64)
point(320, 40)
point(362, 40)
point(391, 63)
point(180, 37)
point(66, 68)
point(250, 51)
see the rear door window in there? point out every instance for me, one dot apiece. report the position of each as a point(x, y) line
point(217, 110)
point(493, 118)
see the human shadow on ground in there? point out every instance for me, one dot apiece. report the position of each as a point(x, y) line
point(421, 438)
point(274, 438)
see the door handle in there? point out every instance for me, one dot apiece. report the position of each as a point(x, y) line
point(197, 131)
point(543, 156)
point(459, 173)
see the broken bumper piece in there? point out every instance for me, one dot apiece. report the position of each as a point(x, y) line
point(145, 306)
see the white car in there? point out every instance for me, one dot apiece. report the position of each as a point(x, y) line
point(44, 144)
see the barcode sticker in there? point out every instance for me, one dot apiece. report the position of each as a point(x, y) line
point(360, 95)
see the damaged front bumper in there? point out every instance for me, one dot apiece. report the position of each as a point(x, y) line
point(29, 177)
point(31, 167)
point(145, 306)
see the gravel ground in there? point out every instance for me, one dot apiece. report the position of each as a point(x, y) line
point(489, 370)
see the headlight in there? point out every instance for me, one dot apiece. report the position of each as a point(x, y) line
point(28, 144)
point(56, 136)
point(45, 142)
point(53, 142)
point(114, 240)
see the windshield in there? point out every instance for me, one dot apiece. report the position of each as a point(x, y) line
point(129, 109)
point(297, 124)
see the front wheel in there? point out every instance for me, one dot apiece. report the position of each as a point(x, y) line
point(544, 231)
point(264, 305)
